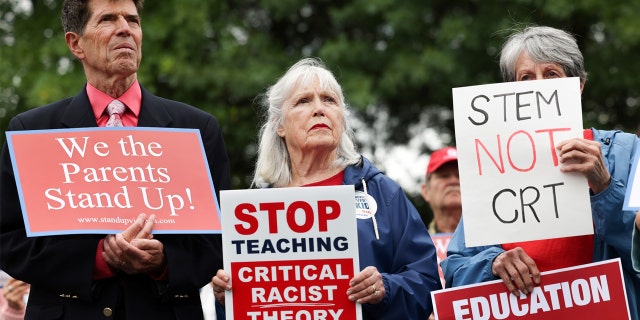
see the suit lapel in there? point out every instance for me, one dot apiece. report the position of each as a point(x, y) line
point(78, 113)
point(153, 112)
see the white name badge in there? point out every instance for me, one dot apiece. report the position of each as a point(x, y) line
point(366, 205)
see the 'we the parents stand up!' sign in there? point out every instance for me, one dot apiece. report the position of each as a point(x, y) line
point(98, 180)
point(511, 184)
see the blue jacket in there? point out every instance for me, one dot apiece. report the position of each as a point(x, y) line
point(404, 253)
point(613, 226)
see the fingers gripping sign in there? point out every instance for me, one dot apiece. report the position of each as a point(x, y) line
point(221, 282)
point(585, 157)
point(134, 250)
point(367, 287)
point(517, 270)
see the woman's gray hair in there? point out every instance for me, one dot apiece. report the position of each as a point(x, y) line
point(542, 44)
point(273, 165)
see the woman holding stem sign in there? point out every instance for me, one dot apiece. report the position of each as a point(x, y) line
point(604, 157)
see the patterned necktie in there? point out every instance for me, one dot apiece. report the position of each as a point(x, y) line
point(115, 109)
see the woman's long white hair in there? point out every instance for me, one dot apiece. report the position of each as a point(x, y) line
point(273, 165)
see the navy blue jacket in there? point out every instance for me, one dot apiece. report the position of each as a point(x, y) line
point(404, 253)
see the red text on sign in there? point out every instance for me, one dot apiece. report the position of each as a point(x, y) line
point(300, 216)
point(497, 157)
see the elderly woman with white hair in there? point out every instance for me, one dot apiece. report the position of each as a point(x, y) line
point(307, 140)
point(605, 158)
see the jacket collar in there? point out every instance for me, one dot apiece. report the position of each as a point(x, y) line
point(153, 112)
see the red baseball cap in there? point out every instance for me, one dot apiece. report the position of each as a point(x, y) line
point(440, 157)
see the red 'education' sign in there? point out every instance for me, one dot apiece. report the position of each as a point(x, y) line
point(591, 291)
point(98, 180)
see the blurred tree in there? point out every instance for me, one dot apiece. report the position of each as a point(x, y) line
point(396, 59)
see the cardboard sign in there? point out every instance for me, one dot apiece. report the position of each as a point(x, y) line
point(632, 196)
point(592, 291)
point(510, 178)
point(290, 252)
point(98, 180)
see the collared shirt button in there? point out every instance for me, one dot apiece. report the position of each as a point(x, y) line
point(107, 312)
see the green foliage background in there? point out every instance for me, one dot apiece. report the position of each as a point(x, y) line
point(401, 57)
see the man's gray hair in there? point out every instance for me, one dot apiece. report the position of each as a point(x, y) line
point(273, 165)
point(545, 45)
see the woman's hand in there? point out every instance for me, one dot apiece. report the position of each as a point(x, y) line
point(220, 283)
point(367, 287)
point(585, 156)
point(517, 270)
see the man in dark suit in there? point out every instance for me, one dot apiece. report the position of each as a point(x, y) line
point(131, 275)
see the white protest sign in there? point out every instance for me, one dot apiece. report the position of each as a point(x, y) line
point(511, 185)
point(290, 252)
point(632, 196)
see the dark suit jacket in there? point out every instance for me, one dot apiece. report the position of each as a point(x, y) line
point(60, 268)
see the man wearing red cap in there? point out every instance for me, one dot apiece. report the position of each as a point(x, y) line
point(441, 190)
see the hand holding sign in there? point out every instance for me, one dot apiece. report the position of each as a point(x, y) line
point(367, 286)
point(517, 270)
point(221, 282)
point(585, 156)
point(134, 250)
point(140, 229)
